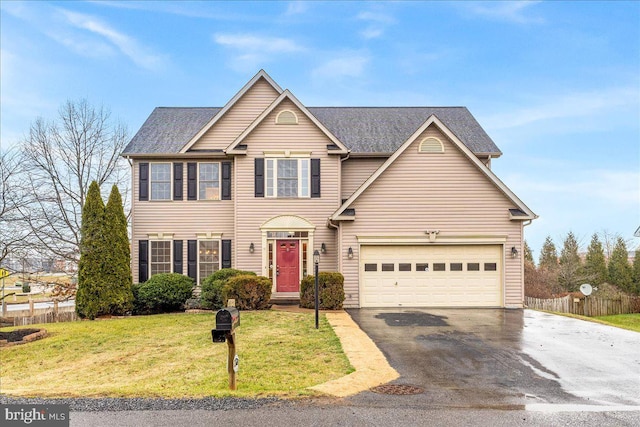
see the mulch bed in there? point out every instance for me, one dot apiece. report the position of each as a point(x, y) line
point(21, 336)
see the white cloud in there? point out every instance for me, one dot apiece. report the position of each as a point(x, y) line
point(509, 11)
point(552, 106)
point(377, 23)
point(127, 45)
point(296, 8)
point(347, 65)
point(252, 51)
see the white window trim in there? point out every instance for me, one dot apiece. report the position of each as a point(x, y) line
point(170, 181)
point(274, 178)
point(219, 182)
point(208, 239)
point(161, 238)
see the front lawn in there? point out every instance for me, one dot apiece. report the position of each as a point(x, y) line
point(626, 321)
point(172, 356)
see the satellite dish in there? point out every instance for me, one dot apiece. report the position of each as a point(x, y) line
point(586, 289)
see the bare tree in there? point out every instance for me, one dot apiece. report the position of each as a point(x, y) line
point(13, 234)
point(61, 158)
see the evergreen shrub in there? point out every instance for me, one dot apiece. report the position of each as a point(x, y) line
point(162, 293)
point(251, 292)
point(330, 290)
point(212, 287)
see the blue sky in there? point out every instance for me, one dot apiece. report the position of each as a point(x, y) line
point(555, 84)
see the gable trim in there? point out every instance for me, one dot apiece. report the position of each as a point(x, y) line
point(261, 75)
point(231, 149)
point(463, 148)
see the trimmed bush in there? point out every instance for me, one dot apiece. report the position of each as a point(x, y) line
point(162, 293)
point(251, 292)
point(26, 288)
point(330, 287)
point(212, 287)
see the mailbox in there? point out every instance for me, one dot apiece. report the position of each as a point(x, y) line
point(227, 320)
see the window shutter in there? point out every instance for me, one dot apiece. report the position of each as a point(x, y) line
point(177, 256)
point(144, 181)
point(226, 254)
point(259, 177)
point(315, 177)
point(143, 261)
point(192, 181)
point(192, 259)
point(177, 181)
point(226, 180)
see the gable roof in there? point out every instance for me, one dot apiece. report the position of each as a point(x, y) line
point(287, 95)
point(528, 213)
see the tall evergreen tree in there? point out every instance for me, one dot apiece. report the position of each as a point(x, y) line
point(548, 255)
point(636, 272)
point(620, 271)
point(90, 280)
point(595, 263)
point(528, 255)
point(570, 271)
point(117, 272)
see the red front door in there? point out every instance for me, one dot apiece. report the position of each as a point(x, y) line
point(288, 266)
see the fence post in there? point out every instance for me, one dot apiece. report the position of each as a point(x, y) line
point(55, 310)
point(30, 306)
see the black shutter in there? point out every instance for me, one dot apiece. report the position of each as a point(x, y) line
point(315, 177)
point(226, 254)
point(192, 181)
point(144, 181)
point(177, 256)
point(177, 181)
point(143, 261)
point(226, 180)
point(259, 177)
point(192, 259)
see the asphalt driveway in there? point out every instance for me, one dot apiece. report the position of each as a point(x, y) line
point(504, 359)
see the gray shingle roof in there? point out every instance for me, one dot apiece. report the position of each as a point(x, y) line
point(361, 129)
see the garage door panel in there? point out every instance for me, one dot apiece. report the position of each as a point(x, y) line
point(469, 276)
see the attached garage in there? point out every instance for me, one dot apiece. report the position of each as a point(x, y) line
point(431, 276)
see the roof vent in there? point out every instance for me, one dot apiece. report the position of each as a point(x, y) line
point(286, 117)
point(431, 145)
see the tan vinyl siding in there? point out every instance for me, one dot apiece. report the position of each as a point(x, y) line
point(444, 191)
point(356, 171)
point(183, 218)
point(238, 118)
point(253, 211)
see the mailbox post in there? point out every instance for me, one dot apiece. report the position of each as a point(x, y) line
point(227, 320)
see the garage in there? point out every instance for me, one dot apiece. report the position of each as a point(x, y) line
point(431, 276)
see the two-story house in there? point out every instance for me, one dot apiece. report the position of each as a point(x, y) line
point(401, 200)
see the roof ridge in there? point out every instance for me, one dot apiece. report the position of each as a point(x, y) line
point(403, 107)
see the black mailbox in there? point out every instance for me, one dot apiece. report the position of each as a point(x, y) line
point(227, 320)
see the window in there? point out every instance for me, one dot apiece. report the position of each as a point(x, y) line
point(160, 252)
point(209, 181)
point(404, 266)
point(439, 266)
point(160, 181)
point(208, 258)
point(422, 266)
point(473, 266)
point(490, 266)
point(371, 267)
point(455, 266)
point(387, 267)
point(287, 178)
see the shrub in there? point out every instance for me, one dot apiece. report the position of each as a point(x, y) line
point(251, 292)
point(212, 287)
point(330, 290)
point(26, 288)
point(162, 293)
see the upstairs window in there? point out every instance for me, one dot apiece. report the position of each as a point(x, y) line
point(287, 178)
point(160, 181)
point(209, 181)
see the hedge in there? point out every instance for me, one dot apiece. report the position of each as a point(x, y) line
point(211, 296)
point(330, 287)
point(162, 293)
point(251, 292)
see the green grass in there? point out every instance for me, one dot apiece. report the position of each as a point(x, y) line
point(172, 355)
point(625, 321)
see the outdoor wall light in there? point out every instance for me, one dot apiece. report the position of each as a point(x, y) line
point(323, 248)
point(350, 253)
point(251, 248)
point(514, 252)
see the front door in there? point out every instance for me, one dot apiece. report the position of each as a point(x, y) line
point(287, 266)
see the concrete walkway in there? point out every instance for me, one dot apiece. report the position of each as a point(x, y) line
point(371, 367)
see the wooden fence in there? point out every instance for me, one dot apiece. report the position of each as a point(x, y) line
point(42, 315)
point(588, 306)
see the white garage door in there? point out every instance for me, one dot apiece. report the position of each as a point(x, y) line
point(431, 276)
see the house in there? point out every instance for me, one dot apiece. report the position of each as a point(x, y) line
point(402, 200)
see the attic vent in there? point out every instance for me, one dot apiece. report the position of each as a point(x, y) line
point(286, 117)
point(431, 145)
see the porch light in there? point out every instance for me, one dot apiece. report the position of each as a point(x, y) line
point(350, 253)
point(251, 248)
point(323, 248)
point(514, 252)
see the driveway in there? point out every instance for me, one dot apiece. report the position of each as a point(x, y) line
point(504, 359)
